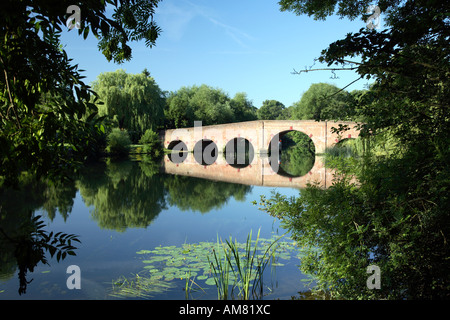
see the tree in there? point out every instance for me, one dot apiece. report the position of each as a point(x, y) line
point(178, 112)
point(322, 101)
point(135, 100)
point(397, 216)
point(211, 105)
point(118, 142)
point(207, 104)
point(270, 110)
point(198, 103)
point(151, 144)
point(352, 9)
point(242, 108)
point(409, 61)
point(287, 113)
point(43, 98)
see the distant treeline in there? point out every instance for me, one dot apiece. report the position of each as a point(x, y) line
point(135, 102)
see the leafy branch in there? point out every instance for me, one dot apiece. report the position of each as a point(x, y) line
point(32, 244)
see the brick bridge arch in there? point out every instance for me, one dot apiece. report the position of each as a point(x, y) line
point(259, 133)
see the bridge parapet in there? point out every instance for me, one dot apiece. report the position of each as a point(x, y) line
point(259, 133)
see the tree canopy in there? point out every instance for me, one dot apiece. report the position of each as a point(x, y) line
point(322, 101)
point(270, 110)
point(206, 104)
point(43, 127)
point(350, 9)
point(396, 216)
point(135, 101)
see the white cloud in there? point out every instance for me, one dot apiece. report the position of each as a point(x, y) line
point(174, 20)
point(236, 34)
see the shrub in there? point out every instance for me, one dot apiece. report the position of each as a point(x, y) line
point(151, 143)
point(118, 142)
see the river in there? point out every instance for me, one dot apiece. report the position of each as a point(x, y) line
point(123, 212)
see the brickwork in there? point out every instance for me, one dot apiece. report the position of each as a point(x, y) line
point(260, 133)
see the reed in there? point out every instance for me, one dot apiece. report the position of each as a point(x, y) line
point(190, 281)
point(220, 267)
point(239, 273)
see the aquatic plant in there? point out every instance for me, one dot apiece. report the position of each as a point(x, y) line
point(139, 287)
point(188, 289)
point(245, 265)
point(200, 265)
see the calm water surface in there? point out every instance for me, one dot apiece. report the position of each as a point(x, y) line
point(120, 208)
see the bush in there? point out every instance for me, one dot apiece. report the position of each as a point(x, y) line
point(118, 142)
point(151, 143)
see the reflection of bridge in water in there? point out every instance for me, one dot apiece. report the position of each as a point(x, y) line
point(260, 172)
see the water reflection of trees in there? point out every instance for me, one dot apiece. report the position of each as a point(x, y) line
point(130, 194)
point(189, 193)
point(123, 194)
point(127, 194)
point(297, 155)
point(32, 195)
point(23, 241)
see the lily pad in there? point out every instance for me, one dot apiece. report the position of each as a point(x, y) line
point(144, 252)
point(210, 282)
point(166, 264)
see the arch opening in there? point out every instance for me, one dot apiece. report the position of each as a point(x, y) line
point(239, 152)
point(205, 152)
point(179, 151)
point(291, 153)
point(347, 147)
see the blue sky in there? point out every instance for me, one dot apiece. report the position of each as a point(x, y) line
point(238, 46)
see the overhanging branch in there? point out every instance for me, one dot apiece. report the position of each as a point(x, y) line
point(323, 69)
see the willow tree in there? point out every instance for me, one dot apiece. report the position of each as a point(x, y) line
point(135, 101)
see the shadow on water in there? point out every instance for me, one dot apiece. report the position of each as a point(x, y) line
point(24, 243)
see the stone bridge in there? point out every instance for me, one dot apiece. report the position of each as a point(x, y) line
point(259, 134)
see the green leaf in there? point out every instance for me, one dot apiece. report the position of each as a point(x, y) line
point(210, 282)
